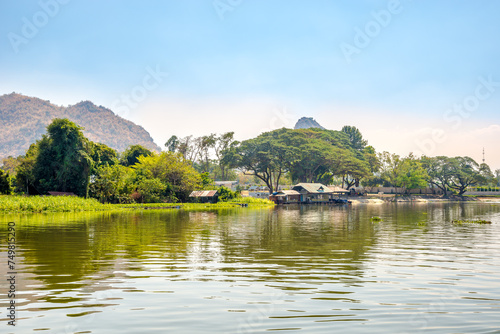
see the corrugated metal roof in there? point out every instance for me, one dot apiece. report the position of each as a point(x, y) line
point(203, 193)
point(287, 192)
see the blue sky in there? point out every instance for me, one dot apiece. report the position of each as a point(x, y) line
point(414, 76)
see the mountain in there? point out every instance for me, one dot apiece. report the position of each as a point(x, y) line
point(306, 123)
point(24, 119)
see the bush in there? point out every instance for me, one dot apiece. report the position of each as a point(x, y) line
point(151, 190)
point(226, 194)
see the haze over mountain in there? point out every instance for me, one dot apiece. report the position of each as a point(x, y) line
point(306, 123)
point(24, 119)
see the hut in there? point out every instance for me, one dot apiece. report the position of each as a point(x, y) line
point(285, 197)
point(339, 191)
point(204, 196)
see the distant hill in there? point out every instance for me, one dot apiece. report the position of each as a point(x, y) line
point(24, 119)
point(306, 123)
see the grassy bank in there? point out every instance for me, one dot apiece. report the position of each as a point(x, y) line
point(49, 204)
point(235, 203)
point(77, 204)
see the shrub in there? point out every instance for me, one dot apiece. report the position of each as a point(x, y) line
point(226, 194)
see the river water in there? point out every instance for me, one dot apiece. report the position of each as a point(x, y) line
point(310, 269)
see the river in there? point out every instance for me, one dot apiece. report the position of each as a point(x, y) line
point(309, 269)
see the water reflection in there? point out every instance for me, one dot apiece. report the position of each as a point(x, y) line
point(314, 268)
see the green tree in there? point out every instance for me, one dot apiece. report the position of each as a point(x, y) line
point(25, 179)
point(439, 172)
point(10, 164)
point(131, 155)
point(355, 138)
point(113, 184)
point(351, 169)
point(411, 174)
point(407, 173)
point(172, 170)
point(102, 154)
point(264, 157)
point(223, 143)
point(389, 168)
point(172, 144)
point(488, 176)
point(5, 187)
point(309, 155)
point(206, 143)
point(63, 162)
point(465, 172)
point(207, 182)
point(371, 158)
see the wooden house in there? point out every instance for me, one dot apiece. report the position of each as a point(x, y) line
point(317, 192)
point(313, 192)
point(204, 196)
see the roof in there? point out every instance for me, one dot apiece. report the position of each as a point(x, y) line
point(336, 189)
point(203, 193)
point(314, 188)
point(222, 183)
point(286, 193)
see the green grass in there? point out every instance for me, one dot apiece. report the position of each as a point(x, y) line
point(252, 200)
point(252, 203)
point(49, 204)
point(77, 204)
point(376, 219)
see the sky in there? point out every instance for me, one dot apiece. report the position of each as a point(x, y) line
point(417, 76)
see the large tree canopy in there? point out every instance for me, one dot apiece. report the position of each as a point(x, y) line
point(63, 160)
point(309, 155)
point(455, 173)
point(465, 172)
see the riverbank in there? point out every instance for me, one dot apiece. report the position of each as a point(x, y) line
point(37, 204)
point(389, 198)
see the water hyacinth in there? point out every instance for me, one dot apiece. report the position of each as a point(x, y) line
point(75, 204)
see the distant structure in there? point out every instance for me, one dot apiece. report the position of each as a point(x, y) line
point(483, 156)
point(306, 123)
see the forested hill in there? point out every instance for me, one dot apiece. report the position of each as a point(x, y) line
point(24, 119)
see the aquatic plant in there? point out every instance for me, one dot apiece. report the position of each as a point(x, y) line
point(49, 204)
point(74, 204)
point(478, 221)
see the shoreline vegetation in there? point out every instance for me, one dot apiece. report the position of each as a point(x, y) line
point(65, 162)
point(41, 204)
point(44, 204)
